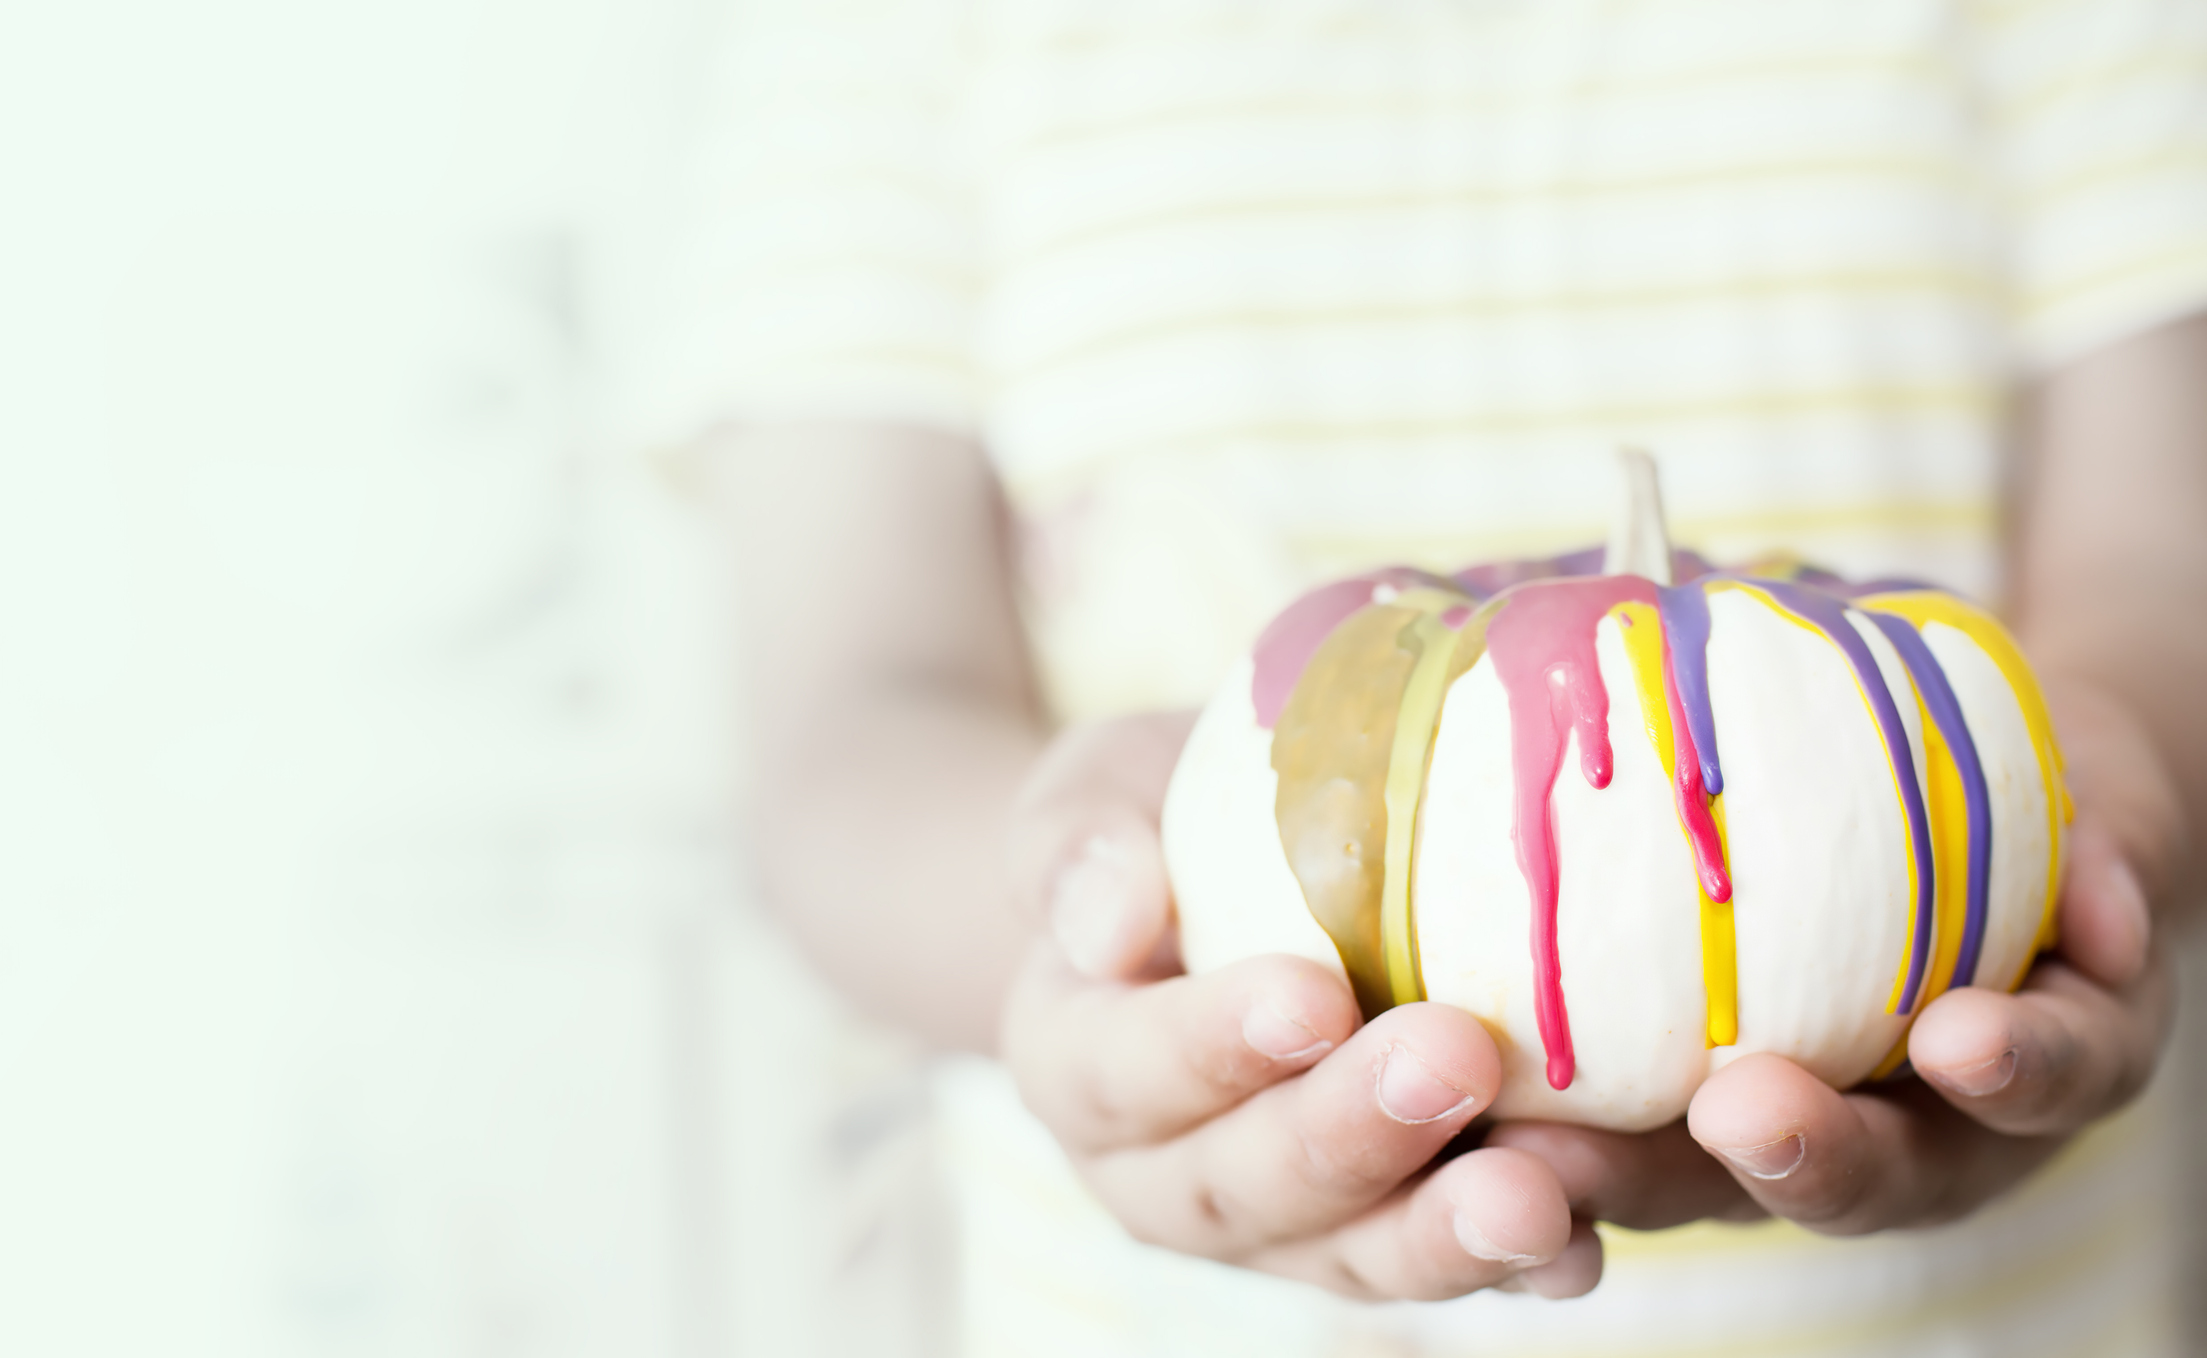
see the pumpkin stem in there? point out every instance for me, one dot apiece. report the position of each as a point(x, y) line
point(1638, 544)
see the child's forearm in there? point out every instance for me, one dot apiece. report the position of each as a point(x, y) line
point(2111, 571)
point(891, 711)
point(882, 849)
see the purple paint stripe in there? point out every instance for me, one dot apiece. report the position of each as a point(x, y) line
point(1946, 713)
point(1684, 610)
point(1829, 616)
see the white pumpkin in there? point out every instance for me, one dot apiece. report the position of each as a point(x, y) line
point(1808, 809)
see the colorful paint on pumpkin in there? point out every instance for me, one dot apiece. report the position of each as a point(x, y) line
point(1701, 818)
point(1923, 606)
point(1951, 762)
point(1826, 615)
point(1352, 748)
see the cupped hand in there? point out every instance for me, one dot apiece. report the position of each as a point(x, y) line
point(1245, 1115)
point(2001, 1081)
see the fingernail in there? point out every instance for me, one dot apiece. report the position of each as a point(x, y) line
point(1770, 1160)
point(1410, 1092)
point(1088, 907)
point(1477, 1245)
point(1545, 1283)
point(1986, 1077)
point(1278, 1036)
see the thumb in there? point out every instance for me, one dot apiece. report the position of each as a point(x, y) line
point(2106, 924)
point(1109, 906)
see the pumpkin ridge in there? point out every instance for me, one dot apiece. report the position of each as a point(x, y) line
point(1827, 616)
point(1925, 606)
point(1655, 676)
point(1953, 760)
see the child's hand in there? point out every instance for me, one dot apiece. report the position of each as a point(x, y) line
point(2006, 1078)
point(1244, 1115)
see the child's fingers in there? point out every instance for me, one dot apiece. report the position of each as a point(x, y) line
point(2045, 1062)
point(1845, 1164)
point(1645, 1180)
point(1479, 1220)
point(2106, 921)
point(1573, 1273)
point(1083, 848)
point(1307, 1155)
point(1109, 1065)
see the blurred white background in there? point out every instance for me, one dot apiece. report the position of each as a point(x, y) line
point(373, 962)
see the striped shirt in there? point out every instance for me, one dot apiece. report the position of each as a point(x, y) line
point(1242, 293)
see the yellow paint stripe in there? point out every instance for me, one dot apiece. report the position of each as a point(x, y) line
point(1470, 196)
point(1948, 808)
point(1305, 107)
point(1923, 607)
point(1415, 723)
point(1642, 629)
point(1720, 961)
point(1278, 436)
point(1935, 284)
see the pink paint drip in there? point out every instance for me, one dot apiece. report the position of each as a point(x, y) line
point(1692, 798)
point(1542, 643)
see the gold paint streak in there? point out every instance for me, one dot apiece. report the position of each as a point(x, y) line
point(1922, 607)
point(1415, 724)
point(1334, 749)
